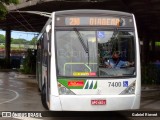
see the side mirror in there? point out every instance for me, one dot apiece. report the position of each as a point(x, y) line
point(48, 28)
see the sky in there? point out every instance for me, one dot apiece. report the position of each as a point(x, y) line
point(20, 34)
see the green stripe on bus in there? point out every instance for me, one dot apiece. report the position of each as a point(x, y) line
point(72, 83)
point(95, 86)
point(90, 84)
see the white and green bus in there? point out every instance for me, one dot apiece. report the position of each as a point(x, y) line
point(74, 50)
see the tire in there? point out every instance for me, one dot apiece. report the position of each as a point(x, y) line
point(38, 88)
point(43, 97)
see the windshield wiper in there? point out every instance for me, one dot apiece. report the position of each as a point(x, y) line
point(81, 40)
point(86, 47)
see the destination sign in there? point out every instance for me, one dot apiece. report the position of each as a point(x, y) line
point(92, 21)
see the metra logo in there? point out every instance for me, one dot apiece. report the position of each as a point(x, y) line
point(90, 84)
point(75, 83)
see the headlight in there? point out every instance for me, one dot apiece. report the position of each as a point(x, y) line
point(64, 91)
point(129, 90)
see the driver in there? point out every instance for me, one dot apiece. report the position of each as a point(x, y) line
point(115, 62)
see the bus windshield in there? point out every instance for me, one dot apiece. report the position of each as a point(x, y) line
point(110, 53)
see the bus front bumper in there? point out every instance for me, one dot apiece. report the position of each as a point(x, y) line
point(83, 102)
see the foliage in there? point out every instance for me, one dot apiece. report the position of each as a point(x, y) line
point(3, 10)
point(33, 41)
point(29, 63)
point(7, 2)
point(18, 41)
point(2, 38)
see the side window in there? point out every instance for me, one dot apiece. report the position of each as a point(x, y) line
point(45, 49)
point(46, 41)
point(39, 50)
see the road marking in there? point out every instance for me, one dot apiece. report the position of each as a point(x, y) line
point(7, 101)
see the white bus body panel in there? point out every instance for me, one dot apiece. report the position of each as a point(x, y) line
point(138, 62)
point(55, 103)
point(53, 80)
point(83, 102)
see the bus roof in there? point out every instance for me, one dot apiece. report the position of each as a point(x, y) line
point(92, 11)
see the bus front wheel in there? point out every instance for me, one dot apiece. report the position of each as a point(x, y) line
point(43, 97)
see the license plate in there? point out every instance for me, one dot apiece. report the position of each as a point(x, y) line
point(98, 102)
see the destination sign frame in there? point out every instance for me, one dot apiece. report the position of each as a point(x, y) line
point(92, 21)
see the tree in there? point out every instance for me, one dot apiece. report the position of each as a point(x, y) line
point(33, 41)
point(3, 10)
point(29, 66)
point(2, 38)
point(19, 41)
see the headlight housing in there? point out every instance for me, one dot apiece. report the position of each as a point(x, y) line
point(64, 91)
point(129, 90)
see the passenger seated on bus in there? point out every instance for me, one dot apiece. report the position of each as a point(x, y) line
point(115, 62)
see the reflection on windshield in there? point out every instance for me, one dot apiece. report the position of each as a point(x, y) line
point(73, 60)
point(116, 55)
point(109, 53)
